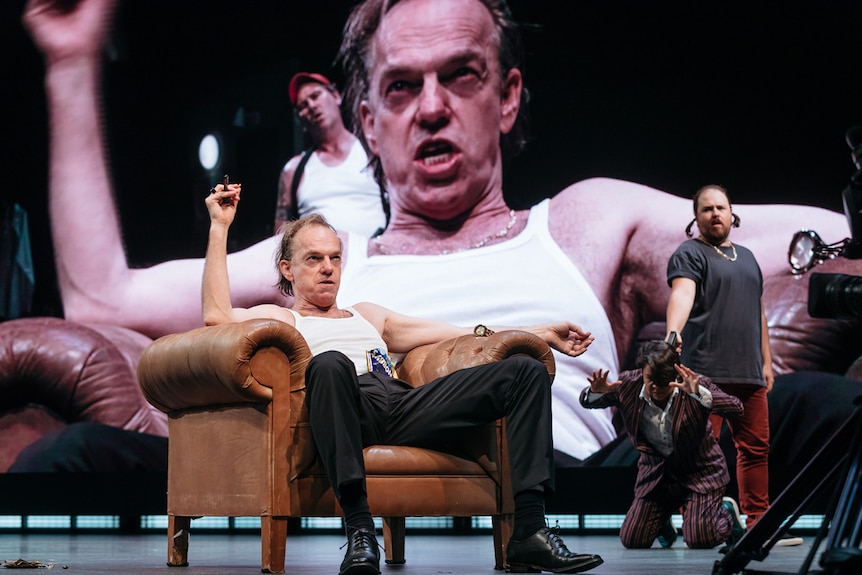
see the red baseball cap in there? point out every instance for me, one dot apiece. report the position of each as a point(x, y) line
point(301, 78)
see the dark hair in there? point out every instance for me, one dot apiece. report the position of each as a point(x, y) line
point(735, 220)
point(355, 52)
point(660, 356)
point(285, 249)
point(696, 197)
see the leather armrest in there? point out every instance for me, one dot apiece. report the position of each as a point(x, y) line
point(427, 363)
point(222, 364)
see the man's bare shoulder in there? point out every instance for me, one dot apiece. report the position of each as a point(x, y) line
point(369, 310)
point(599, 194)
point(291, 164)
point(374, 314)
point(265, 311)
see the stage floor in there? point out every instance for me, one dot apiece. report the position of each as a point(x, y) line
point(211, 554)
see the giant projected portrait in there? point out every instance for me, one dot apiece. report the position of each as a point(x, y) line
point(498, 217)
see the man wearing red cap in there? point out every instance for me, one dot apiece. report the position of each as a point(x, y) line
point(330, 177)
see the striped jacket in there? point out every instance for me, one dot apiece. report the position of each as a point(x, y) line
point(696, 461)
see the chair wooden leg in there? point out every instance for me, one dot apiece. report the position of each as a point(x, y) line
point(393, 540)
point(273, 541)
point(178, 540)
point(502, 526)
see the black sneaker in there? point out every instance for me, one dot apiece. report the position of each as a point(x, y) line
point(668, 534)
point(736, 521)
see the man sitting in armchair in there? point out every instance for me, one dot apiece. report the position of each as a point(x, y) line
point(350, 380)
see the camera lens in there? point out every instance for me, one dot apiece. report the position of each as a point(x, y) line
point(837, 296)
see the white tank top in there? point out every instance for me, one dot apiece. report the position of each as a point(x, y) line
point(346, 194)
point(526, 280)
point(353, 336)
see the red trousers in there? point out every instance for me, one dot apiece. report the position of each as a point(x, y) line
point(750, 434)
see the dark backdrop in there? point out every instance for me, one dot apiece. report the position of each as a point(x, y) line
point(673, 95)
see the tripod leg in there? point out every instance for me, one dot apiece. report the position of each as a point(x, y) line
point(843, 554)
point(822, 468)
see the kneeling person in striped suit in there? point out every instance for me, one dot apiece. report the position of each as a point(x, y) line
point(665, 407)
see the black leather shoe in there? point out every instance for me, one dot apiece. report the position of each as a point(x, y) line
point(362, 556)
point(545, 551)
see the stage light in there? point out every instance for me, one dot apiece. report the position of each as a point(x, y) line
point(210, 152)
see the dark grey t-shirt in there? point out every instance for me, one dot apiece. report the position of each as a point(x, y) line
point(722, 338)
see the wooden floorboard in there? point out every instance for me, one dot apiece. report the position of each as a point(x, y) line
point(312, 554)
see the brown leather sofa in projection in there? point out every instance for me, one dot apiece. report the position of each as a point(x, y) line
point(240, 442)
point(55, 372)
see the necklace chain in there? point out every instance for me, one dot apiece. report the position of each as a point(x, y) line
point(513, 219)
point(721, 253)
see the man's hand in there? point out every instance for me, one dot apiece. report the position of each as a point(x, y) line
point(599, 382)
point(65, 29)
point(678, 345)
point(221, 203)
point(689, 383)
point(566, 338)
point(768, 375)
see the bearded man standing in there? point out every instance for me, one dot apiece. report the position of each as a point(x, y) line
point(716, 306)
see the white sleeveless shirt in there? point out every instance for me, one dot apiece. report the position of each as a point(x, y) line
point(353, 336)
point(346, 194)
point(522, 281)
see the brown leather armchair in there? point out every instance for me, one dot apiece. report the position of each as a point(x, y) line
point(240, 442)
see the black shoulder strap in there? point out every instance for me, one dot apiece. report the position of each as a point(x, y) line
point(294, 184)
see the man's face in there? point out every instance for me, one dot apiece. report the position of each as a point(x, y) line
point(315, 269)
point(713, 216)
point(437, 105)
point(317, 106)
point(658, 393)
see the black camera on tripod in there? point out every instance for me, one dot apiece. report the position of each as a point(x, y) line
point(837, 296)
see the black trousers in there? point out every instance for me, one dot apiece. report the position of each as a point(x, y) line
point(91, 446)
point(348, 413)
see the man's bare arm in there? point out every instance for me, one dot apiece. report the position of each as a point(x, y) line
point(766, 350)
point(96, 283)
point(682, 295)
point(216, 306)
point(403, 333)
point(215, 285)
point(71, 43)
